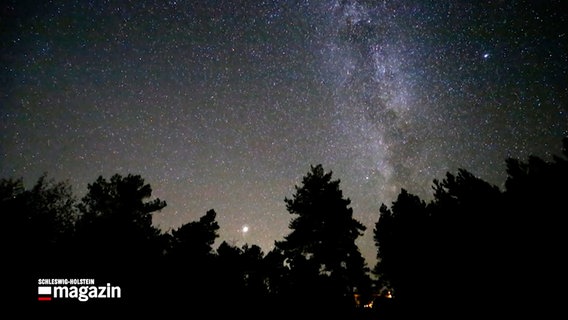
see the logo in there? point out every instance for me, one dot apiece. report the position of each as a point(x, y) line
point(79, 289)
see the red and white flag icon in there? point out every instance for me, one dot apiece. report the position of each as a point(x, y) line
point(44, 293)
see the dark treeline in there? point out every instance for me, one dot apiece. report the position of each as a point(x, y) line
point(474, 250)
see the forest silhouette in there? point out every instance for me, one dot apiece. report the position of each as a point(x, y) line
point(474, 250)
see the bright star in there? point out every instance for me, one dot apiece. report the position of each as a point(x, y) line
point(245, 229)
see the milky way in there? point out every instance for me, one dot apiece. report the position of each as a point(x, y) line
point(225, 104)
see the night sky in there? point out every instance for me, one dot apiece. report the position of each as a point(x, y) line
point(225, 104)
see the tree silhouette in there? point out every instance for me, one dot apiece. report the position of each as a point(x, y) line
point(476, 248)
point(400, 234)
point(535, 194)
point(41, 219)
point(321, 252)
point(115, 231)
point(191, 265)
point(38, 225)
point(253, 271)
point(194, 240)
point(277, 273)
point(443, 253)
point(242, 272)
point(467, 216)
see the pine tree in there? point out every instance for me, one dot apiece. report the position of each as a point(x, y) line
point(321, 251)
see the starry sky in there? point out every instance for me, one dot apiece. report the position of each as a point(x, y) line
point(225, 104)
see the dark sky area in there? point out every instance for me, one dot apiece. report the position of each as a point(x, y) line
point(225, 104)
